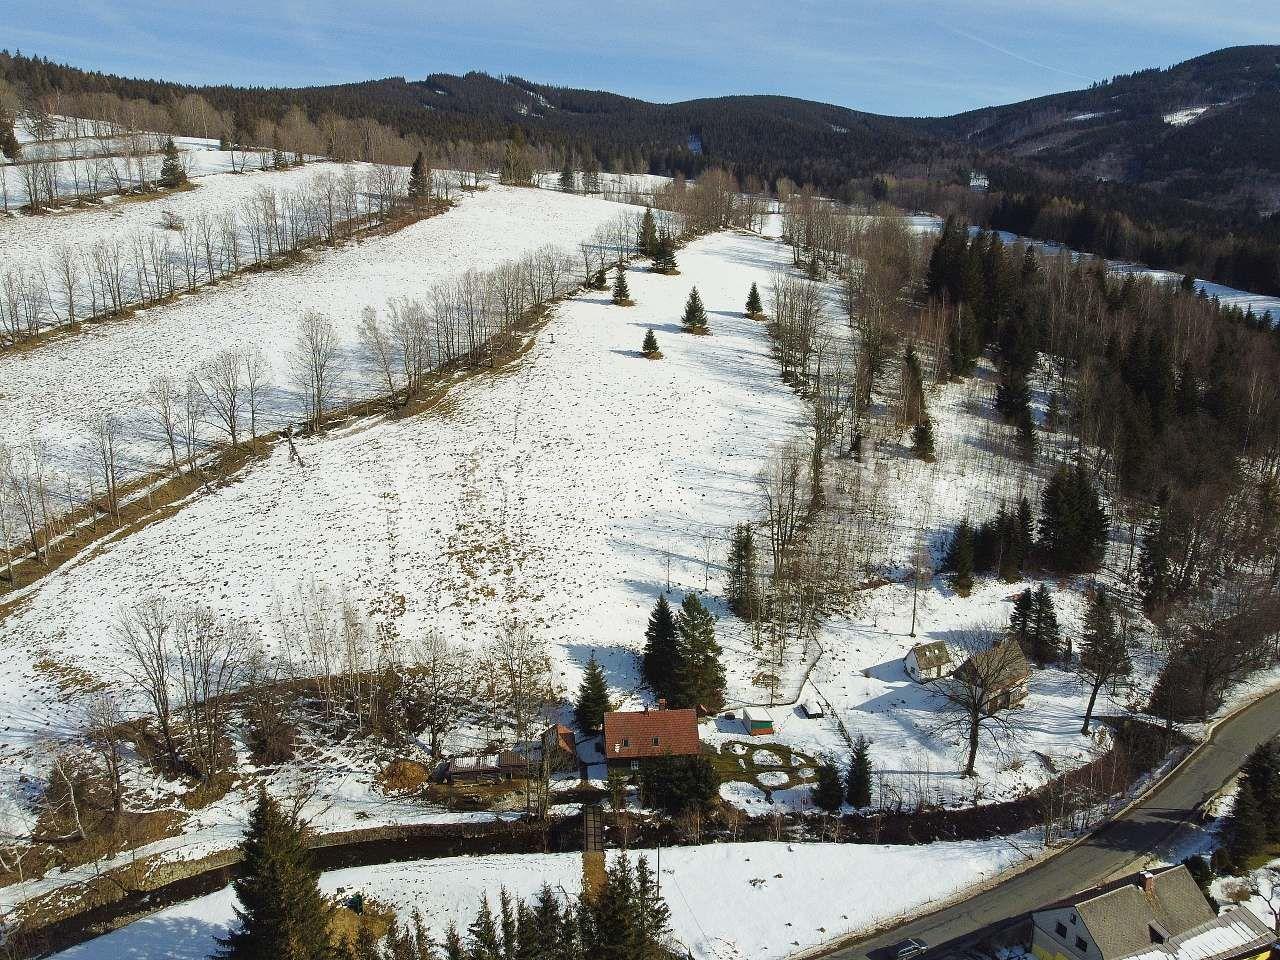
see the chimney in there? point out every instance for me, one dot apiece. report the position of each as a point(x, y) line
point(1148, 882)
point(662, 703)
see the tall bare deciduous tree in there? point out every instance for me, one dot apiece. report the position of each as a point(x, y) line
point(315, 360)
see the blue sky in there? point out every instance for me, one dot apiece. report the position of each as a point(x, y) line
point(903, 58)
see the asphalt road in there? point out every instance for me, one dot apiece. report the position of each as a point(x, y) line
point(1118, 847)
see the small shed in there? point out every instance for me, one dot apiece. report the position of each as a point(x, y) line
point(811, 709)
point(758, 721)
point(486, 768)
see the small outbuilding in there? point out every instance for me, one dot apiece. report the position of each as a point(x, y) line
point(758, 721)
point(812, 709)
point(929, 661)
point(487, 768)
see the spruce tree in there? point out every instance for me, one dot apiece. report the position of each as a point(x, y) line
point(858, 786)
point(591, 174)
point(453, 946)
point(960, 558)
point(1045, 641)
point(922, 440)
point(662, 662)
point(1246, 831)
point(172, 172)
point(419, 179)
point(650, 346)
point(828, 792)
point(1104, 652)
point(1262, 776)
point(702, 681)
point(568, 182)
point(695, 315)
point(1073, 525)
point(547, 919)
point(613, 916)
point(743, 586)
point(9, 145)
point(1023, 534)
point(281, 912)
point(1026, 434)
point(647, 235)
point(754, 307)
point(279, 160)
point(483, 940)
point(1020, 620)
point(593, 697)
point(653, 918)
point(508, 925)
point(621, 292)
point(664, 258)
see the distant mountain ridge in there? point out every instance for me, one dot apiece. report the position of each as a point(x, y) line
point(1206, 130)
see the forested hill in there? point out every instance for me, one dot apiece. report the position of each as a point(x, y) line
point(765, 136)
point(1205, 129)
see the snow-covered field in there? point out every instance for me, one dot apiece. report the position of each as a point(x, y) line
point(53, 390)
point(30, 242)
point(731, 901)
point(552, 492)
point(81, 163)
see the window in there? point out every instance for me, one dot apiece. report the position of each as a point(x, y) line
point(1074, 918)
point(1081, 945)
point(626, 741)
point(635, 764)
point(1061, 930)
point(655, 741)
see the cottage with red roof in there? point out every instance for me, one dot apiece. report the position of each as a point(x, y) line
point(639, 735)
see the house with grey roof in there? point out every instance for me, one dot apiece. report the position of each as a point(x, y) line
point(929, 661)
point(1151, 916)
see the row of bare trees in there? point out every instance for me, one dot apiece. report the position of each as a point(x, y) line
point(121, 272)
point(229, 398)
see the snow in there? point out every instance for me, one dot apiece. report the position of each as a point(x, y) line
point(1180, 118)
point(53, 390)
point(727, 901)
point(80, 157)
point(29, 242)
point(586, 457)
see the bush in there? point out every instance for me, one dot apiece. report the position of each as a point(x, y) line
point(679, 784)
point(828, 791)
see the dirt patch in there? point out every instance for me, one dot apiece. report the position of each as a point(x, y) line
point(404, 776)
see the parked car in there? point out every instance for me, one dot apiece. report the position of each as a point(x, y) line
point(910, 948)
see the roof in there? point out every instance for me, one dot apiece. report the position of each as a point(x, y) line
point(1233, 933)
point(1120, 918)
point(756, 715)
point(561, 737)
point(632, 735)
point(488, 761)
point(1007, 658)
point(931, 655)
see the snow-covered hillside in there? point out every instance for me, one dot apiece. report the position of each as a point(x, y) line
point(53, 390)
point(728, 901)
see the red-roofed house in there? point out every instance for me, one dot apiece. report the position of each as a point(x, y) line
point(639, 735)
